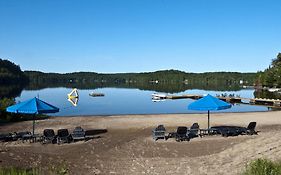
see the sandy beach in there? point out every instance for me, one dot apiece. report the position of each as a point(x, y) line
point(128, 148)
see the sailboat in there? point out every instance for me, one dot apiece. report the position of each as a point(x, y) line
point(73, 101)
point(73, 94)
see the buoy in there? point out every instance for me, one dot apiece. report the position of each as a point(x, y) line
point(73, 94)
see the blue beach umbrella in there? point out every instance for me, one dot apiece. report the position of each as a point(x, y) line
point(33, 106)
point(209, 103)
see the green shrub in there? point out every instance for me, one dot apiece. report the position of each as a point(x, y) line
point(263, 167)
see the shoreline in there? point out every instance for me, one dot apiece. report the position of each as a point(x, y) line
point(144, 121)
point(138, 121)
point(112, 115)
point(127, 146)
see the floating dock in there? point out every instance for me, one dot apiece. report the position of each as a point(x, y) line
point(96, 94)
point(192, 96)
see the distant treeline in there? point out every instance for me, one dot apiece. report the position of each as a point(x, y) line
point(159, 87)
point(271, 77)
point(13, 80)
point(158, 77)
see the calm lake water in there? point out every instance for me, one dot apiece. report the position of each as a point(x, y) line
point(126, 101)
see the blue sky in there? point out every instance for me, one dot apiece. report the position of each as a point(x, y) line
point(113, 36)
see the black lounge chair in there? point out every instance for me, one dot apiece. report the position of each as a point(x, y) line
point(181, 134)
point(250, 130)
point(8, 137)
point(193, 131)
point(24, 136)
point(225, 131)
point(159, 132)
point(78, 134)
point(3, 137)
point(63, 136)
point(49, 136)
point(229, 131)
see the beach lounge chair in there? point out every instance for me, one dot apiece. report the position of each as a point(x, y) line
point(181, 134)
point(63, 136)
point(8, 137)
point(24, 136)
point(229, 131)
point(49, 136)
point(250, 130)
point(193, 131)
point(78, 134)
point(3, 137)
point(158, 132)
point(225, 131)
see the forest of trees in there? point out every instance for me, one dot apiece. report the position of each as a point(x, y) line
point(13, 80)
point(161, 77)
point(11, 73)
point(271, 77)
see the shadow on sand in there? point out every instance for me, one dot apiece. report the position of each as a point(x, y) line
point(14, 118)
point(93, 132)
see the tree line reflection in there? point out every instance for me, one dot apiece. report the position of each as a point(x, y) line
point(12, 91)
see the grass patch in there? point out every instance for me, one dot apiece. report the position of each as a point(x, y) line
point(55, 170)
point(19, 171)
point(60, 169)
point(263, 167)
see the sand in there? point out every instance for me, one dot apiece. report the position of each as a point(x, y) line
point(128, 148)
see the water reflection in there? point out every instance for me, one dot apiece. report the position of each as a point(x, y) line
point(158, 87)
point(15, 90)
point(10, 91)
point(73, 101)
point(125, 101)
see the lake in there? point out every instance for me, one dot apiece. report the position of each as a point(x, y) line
point(119, 101)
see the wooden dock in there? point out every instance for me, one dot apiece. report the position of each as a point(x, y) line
point(195, 97)
point(264, 101)
point(252, 101)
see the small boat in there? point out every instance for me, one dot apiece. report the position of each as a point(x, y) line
point(95, 94)
point(157, 96)
point(158, 100)
point(273, 89)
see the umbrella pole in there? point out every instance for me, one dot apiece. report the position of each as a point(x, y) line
point(33, 128)
point(208, 121)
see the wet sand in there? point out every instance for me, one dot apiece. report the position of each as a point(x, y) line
point(128, 148)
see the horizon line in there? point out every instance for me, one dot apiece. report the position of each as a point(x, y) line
point(139, 72)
